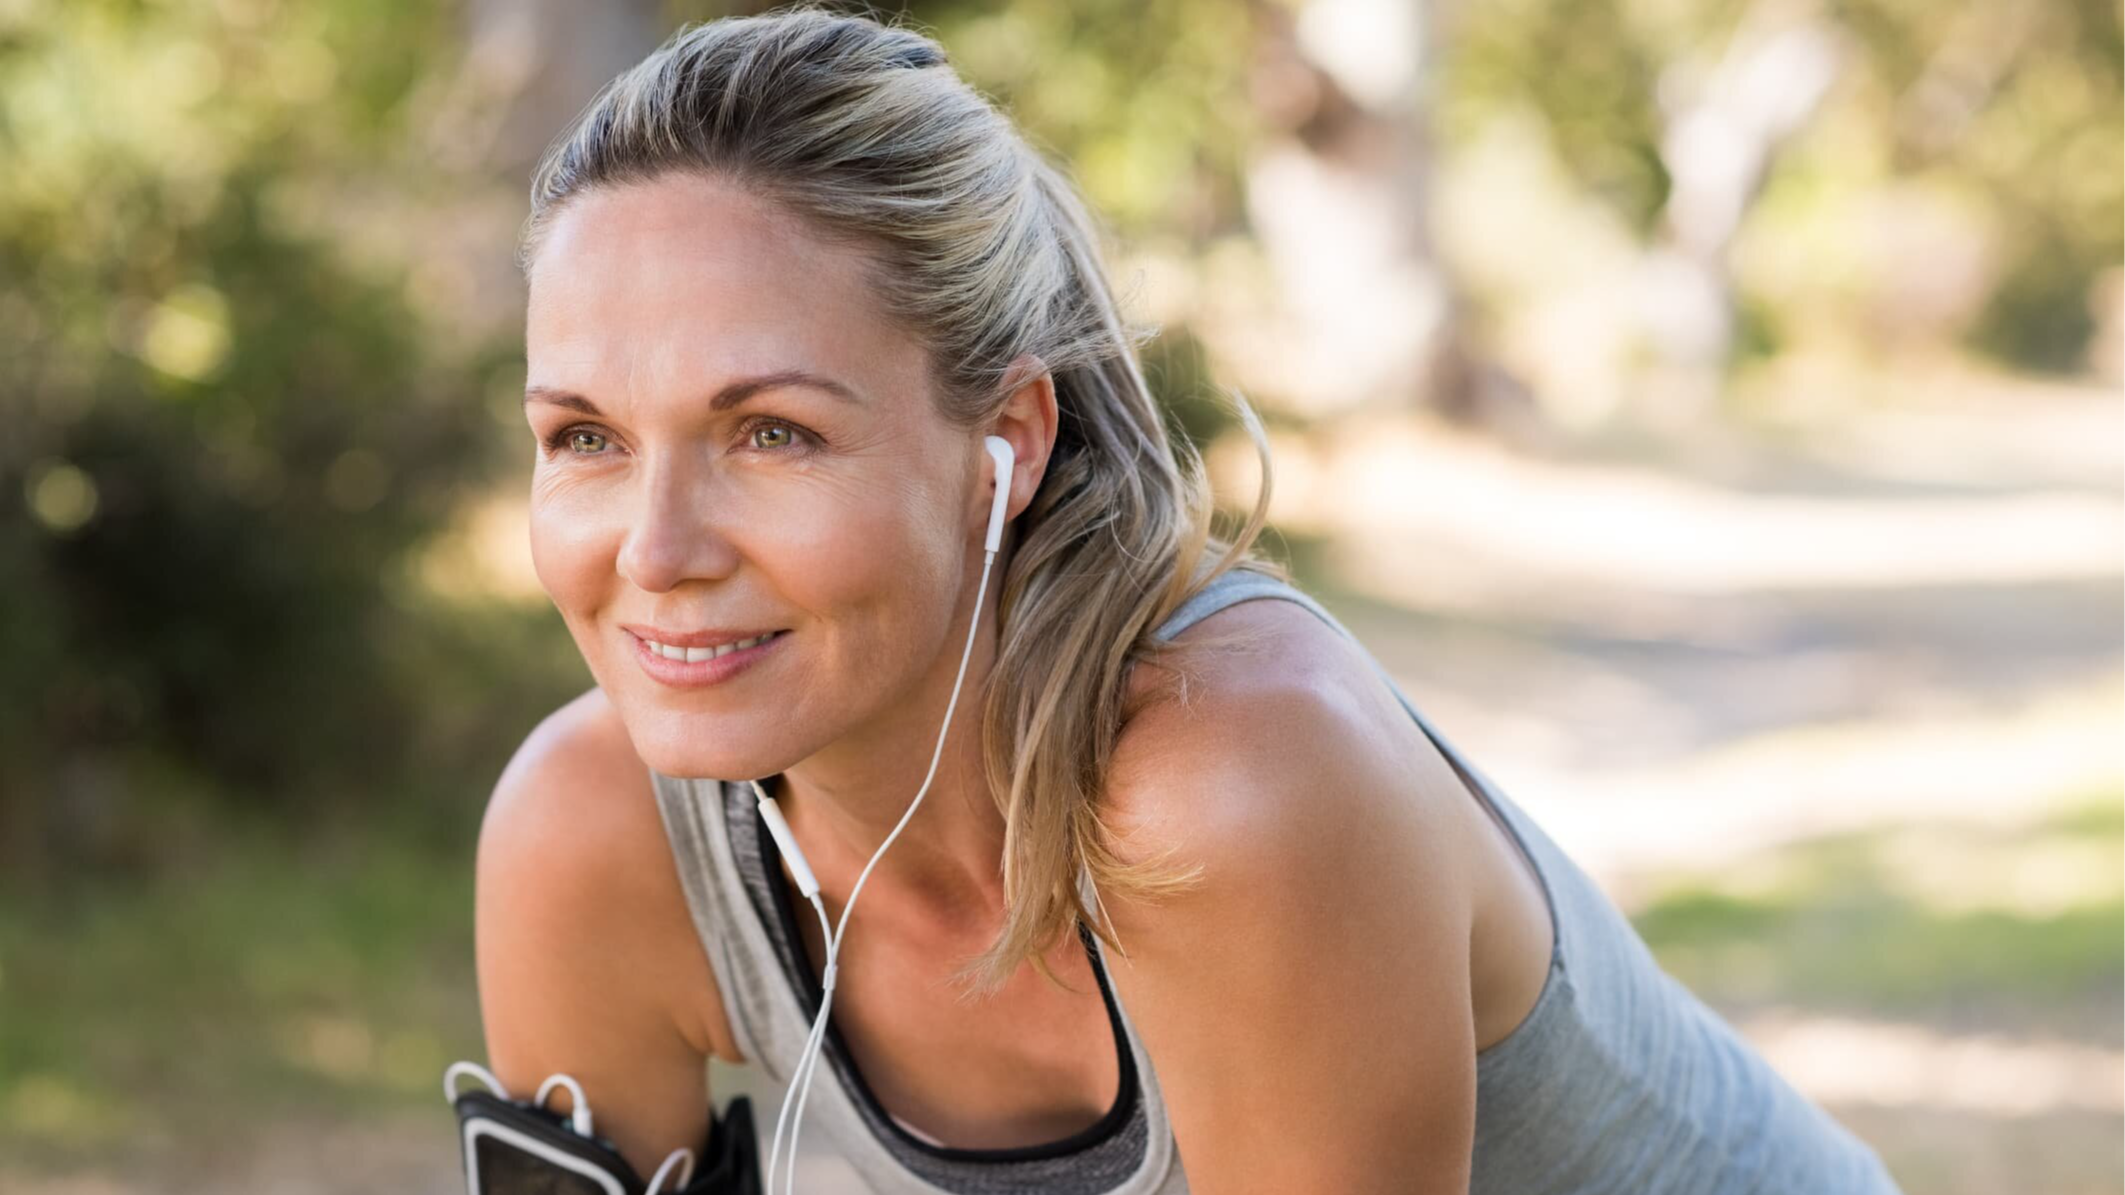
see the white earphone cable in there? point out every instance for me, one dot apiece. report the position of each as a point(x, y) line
point(807, 1063)
point(805, 1057)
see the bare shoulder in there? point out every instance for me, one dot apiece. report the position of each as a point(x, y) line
point(575, 780)
point(587, 957)
point(575, 813)
point(1274, 765)
point(1264, 714)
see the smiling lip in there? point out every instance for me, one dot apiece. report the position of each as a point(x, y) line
point(712, 637)
point(694, 674)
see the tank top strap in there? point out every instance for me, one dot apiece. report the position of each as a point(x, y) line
point(1242, 584)
point(1230, 588)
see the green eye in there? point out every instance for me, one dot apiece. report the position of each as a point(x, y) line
point(576, 441)
point(771, 429)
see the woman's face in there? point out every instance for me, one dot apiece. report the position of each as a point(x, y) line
point(675, 492)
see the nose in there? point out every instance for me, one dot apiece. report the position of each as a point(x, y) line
point(673, 535)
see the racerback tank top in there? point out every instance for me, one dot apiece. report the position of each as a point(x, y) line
point(1617, 1080)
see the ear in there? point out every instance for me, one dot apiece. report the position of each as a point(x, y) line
point(1028, 420)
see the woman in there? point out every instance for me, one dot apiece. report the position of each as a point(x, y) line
point(1195, 899)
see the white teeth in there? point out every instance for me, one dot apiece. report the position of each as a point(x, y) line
point(697, 654)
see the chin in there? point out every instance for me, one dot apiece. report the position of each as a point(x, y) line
point(707, 746)
point(688, 761)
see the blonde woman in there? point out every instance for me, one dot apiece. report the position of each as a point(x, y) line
point(1194, 898)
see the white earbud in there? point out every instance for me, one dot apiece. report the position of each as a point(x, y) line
point(799, 866)
point(1000, 450)
point(800, 1086)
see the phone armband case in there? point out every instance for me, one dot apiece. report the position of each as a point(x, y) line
point(515, 1147)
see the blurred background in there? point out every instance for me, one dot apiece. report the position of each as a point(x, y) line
point(1708, 409)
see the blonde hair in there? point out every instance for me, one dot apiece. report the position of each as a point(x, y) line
point(983, 251)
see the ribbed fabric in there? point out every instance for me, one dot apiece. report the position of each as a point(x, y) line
point(1619, 1080)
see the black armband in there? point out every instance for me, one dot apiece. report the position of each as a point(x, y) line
point(521, 1147)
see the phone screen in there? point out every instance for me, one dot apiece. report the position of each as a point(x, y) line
point(507, 1169)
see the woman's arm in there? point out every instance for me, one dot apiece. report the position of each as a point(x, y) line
point(584, 944)
point(1307, 1007)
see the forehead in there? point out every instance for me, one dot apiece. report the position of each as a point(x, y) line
point(681, 281)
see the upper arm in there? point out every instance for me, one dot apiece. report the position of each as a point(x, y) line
point(575, 932)
point(1306, 1005)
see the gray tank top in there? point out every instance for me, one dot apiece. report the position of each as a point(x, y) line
point(1618, 1080)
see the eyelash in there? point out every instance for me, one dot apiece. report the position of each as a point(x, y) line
point(556, 445)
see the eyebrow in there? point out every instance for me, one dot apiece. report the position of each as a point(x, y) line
point(730, 396)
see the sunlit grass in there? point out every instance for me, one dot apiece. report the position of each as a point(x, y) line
point(2023, 928)
point(266, 975)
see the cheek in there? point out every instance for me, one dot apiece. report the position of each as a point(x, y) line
point(573, 548)
point(871, 566)
point(863, 537)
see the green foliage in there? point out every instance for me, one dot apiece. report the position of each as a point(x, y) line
point(2045, 144)
point(227, 433)
point(2039, 314)
point(1757, 334)
point(1178, 369)
point(1839, 924)
point(1146, 105)
point(1589, 70)
point(260, 973)
point(2014, 105)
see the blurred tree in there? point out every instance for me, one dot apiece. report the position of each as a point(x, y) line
point(1204, 129)
point(228, 426)
point(2022, 101)
point(1150, 108)
point(2014, 106)
point(1340, 193)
